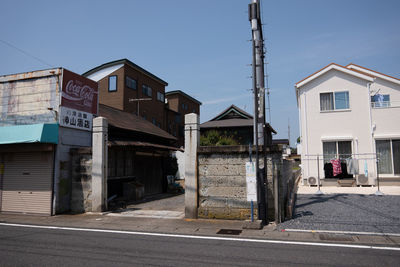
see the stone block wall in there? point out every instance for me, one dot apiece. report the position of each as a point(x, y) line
point(222, 181)
point(81, 197)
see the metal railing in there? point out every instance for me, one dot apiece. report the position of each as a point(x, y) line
point(342, 157)
point(385, 104)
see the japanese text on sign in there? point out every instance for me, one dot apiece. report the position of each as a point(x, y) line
point(251, 181)
point(75, 119)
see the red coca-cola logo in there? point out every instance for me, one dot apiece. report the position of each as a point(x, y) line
point(74, 91)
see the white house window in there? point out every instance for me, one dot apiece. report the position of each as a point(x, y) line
point(334, 101)
point(388, 152)
point(112, 83)
point(380, 101)
point(341, 149)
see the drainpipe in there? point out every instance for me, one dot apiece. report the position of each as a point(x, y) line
point(301, 132)
point(306, 135)
point(370, 123)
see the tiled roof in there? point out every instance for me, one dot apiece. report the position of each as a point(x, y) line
point(141, 144)
point(128, 121)
point(235, 109)
point(227, 123)
point(231, 123)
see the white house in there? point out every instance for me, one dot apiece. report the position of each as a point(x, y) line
point(350, 112)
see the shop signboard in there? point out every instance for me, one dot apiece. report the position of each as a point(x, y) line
point(79, 101)
point(251, 181)
point(76, 119)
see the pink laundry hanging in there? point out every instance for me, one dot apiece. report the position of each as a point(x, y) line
point(337, 169)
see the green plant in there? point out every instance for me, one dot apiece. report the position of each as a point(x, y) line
point(215, 138)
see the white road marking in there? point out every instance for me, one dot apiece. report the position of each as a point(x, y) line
point(280, 242)
point(158, 214)
point(340, 232)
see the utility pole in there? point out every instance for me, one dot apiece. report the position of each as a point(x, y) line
point(138, 101)
point(259, 103)
point(288, 129)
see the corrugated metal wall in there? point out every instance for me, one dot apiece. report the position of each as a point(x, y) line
point(27, 182)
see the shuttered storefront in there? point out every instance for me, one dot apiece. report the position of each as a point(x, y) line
point(27, 182)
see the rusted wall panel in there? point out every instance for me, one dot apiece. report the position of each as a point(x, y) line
point(29, 101)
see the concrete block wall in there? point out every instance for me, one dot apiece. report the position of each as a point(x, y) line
point(68, 139)
point(81, 197)
point(222, 182)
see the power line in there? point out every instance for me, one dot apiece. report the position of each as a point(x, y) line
point(26, 53)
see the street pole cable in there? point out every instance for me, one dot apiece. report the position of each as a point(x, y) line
point(259, 103)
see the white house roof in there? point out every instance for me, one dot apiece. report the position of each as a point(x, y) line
point(373, 73)
point(97, 76)
point(353, 72)
point(104, 70)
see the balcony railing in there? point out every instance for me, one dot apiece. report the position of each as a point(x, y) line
point(385, 104)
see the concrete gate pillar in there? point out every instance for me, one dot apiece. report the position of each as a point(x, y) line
point(192, 141)
point(99, 164)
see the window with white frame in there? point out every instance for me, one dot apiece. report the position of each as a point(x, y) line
point(112, 83)
point(388, 153)
point(334, 149)
point(334, 101)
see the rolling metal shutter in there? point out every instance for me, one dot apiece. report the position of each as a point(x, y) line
point(27, 182)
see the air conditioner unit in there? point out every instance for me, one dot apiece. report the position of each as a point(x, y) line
point(312, 181)
point(364, 180)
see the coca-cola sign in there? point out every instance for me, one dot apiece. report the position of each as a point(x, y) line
point(79, 93)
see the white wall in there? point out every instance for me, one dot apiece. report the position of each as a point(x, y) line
point(387, 120)
point(180, 156)
point(339, 125)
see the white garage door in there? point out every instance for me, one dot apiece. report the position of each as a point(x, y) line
point(27, 182)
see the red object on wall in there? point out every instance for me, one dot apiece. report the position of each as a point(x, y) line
point(79, 92)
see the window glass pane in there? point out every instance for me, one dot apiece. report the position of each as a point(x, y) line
point(396, 156)
point(344, 149)
point(341, 100)
point(112, 83)
point(329, 150)
point(384, 154)
point(131, 83)
point(326, 101)
point(160, 96)
point(380, 100)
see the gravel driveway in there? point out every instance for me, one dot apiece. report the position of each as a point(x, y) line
point(346, 212)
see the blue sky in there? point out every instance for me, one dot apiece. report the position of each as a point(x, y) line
point(202, 47)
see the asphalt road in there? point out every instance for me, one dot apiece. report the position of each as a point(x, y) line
point(20, 246)
point(346, 212)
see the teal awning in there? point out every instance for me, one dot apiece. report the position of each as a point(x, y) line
point(33, 133)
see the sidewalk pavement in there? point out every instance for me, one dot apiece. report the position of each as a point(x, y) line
point(200, 227)
point(387, 190)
